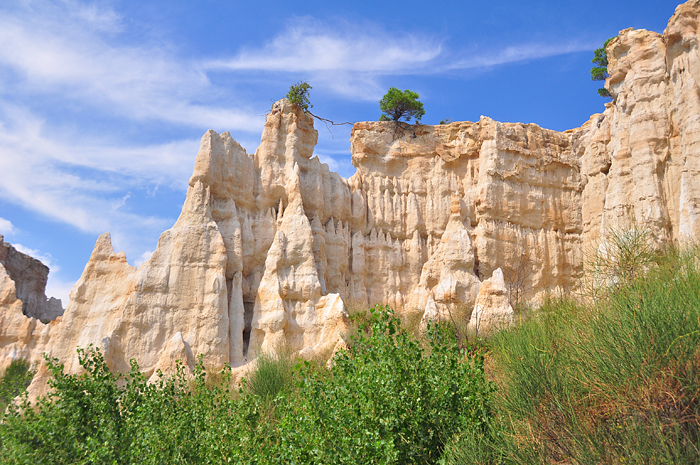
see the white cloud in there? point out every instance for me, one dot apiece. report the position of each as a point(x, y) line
point(516, 53)
point(346, 58)
point(67, 49)
point(351, 60)
point(83, 183)
point(311, 45)
point(59, 288)
point(6, 227)
point(143, 258)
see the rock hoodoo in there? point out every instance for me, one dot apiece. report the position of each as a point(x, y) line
point(270, 246)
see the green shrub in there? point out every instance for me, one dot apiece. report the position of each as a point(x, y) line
point(386, 400)
point(14, 381)
point(298, 95)
point(389, 400)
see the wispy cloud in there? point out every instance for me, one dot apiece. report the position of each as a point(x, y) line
point(346, 57)
point(69, 49)
point(49, 174)
point(311, 45)
point(6, 227)
point(514, 54)
point(352, 60)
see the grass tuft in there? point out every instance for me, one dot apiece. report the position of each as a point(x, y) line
point(272, 374)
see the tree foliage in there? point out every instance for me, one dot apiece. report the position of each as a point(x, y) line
point(299, 95)
point(600, 71)
point(397, 105)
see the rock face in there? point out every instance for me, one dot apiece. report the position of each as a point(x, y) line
point(269, 246)
point(641, 157)
point(21, 335)
point(29, 276)
point(492, 310)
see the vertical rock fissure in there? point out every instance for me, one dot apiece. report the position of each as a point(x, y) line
point(247, 326)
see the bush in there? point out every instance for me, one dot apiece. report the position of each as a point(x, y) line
point(386, 400)
point(390, 400)
point(623, 256)
point(14, 381)
point(272, 375)
point(298, 95)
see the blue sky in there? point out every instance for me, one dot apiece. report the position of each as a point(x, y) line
point(102, 104)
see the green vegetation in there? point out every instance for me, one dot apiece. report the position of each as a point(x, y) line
point(299, 95)
point(610, 378)
point(397, 105)
point(388, 399)
point(14, 381)
point(611, 382)
point(600, 71)
point(272, 375)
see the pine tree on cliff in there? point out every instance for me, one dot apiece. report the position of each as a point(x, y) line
point(600, 72)
point(397, 105)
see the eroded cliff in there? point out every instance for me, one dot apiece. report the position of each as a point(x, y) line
point(271, 247)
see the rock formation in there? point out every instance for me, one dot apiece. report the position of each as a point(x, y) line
point(492, 310)
point(270, 245)
point(29, 276)
point(641, 158)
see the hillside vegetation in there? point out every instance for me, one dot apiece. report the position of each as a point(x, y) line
point(614, 380)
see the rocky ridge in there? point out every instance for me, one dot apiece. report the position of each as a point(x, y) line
point(270, 247)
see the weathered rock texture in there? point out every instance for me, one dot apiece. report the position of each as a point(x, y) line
point(269, 246)
point(641, 157)
point(29, 276)
point(492, 310)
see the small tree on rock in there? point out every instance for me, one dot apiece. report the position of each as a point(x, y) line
point(600, 72)
point(299, 95)
point(397, 105)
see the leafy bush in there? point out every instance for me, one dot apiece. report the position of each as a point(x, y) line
point(14, 381)
point(386, 400)
point(390, 400)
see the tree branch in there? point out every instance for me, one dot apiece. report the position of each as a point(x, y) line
point(326, 121)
